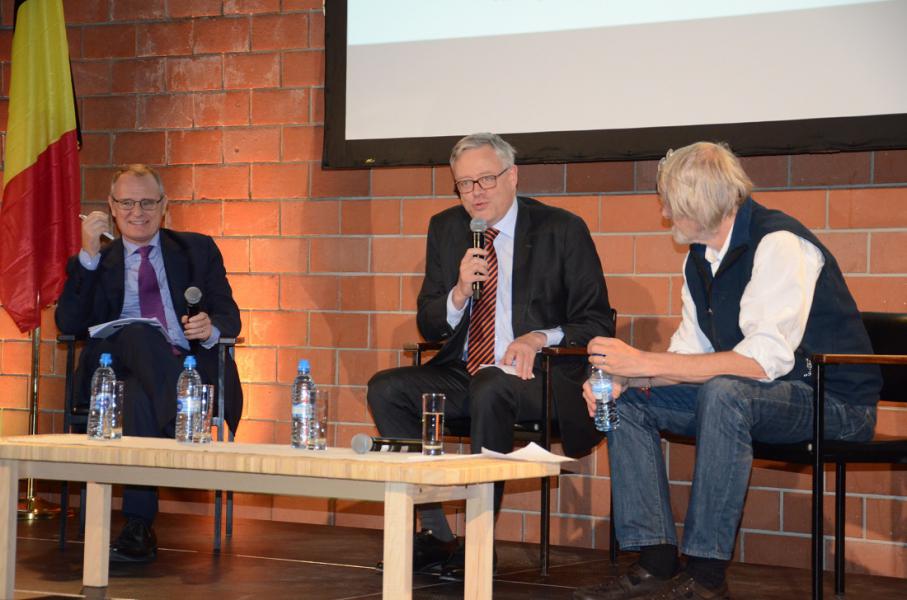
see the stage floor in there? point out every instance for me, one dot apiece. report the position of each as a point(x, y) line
point(270, 560)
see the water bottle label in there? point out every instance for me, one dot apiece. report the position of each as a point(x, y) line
point(297, 411)
point(601, 389)
point(306, 411)
point(186, 404)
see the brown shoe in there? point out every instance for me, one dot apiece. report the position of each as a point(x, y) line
point(683, 587)
point(635, 583)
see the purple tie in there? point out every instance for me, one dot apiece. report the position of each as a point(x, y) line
point(150, 301)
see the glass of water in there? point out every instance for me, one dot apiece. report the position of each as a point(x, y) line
point(433, 424)
point(318, 426)
point(115, 412)
point(201, 421)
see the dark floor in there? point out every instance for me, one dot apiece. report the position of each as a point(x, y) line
point(268, 560)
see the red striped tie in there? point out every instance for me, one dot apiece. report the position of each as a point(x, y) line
point(481, 321)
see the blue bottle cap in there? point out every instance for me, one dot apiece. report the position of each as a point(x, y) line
point(189, 363)
point(106, 359)
point(304, 366)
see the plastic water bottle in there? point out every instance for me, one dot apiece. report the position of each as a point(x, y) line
point(606, 418)
point(303, 406)
point(188, 402)
point(103, 384)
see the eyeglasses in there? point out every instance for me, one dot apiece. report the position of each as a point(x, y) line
point(486, 182)
point(146, 204)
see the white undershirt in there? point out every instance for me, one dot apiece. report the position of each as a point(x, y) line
point(774, 307)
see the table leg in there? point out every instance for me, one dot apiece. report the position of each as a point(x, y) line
point(398, 542)
point(97, 535)
point(9, 502)
point(479, 541)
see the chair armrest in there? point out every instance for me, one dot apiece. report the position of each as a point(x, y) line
point(422, 346)
point(860, 359)
point(564, 351)
point(230, 341)
point(66, 338)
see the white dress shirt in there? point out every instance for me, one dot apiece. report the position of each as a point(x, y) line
point(503, 314)
point(774, 307)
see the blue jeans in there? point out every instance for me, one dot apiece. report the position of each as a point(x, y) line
point(725, 414)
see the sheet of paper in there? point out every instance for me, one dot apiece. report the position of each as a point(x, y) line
point(509, 369)
point(531, 452)
point(107, 329)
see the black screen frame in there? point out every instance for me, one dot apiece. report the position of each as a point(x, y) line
point(839, 134)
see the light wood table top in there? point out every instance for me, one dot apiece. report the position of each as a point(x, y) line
point(273, 459)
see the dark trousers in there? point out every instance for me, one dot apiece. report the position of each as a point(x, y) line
point(144, 360)
point(492, 401)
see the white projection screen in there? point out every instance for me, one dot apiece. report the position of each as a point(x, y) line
point(589, 80)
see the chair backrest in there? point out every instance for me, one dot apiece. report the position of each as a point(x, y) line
point(888, 334)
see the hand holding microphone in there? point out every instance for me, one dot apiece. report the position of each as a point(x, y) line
point(196, 324)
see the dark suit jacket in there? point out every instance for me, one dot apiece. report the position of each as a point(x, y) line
point(557, 281)
point(93, 297)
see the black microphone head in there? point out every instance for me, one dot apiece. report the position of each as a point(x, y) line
point(361, 443)
point(478, 225)
point(193, 295)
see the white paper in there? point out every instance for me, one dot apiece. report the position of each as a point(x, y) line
point(530, 453)
point(109, 328)
point(509, 369)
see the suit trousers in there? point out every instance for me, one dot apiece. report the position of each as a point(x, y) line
point(144, 360)
point(492, 400)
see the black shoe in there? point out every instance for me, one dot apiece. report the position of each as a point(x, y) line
point(636, 583)
point(135, 544)
point(455, 568)
point(429, 553)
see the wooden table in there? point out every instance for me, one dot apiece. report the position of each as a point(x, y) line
point(399, 480)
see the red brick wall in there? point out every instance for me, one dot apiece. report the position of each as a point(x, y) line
point(227, 98)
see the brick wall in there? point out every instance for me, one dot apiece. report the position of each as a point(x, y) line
point(227, 99)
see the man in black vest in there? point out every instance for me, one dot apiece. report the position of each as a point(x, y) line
point(760, 295)
point(145, 273)
point(549, 290)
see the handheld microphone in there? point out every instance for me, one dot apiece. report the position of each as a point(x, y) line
point(363, 444)
point(477, 227)
point(193, 297)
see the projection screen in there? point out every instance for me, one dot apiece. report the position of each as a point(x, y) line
point(583, 80)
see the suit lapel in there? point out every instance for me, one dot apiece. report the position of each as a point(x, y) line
point(176, 263)
point(522, 273)
point(113, 278)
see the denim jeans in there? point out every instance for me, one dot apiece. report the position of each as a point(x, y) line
point(725, 414)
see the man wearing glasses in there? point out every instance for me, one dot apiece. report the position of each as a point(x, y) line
point(542, 286)
point(145, 273)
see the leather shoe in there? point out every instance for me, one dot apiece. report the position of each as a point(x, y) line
point(137, 543)
point(455, 568)
point(429, 553)
point(683, 587)
point(635, 583)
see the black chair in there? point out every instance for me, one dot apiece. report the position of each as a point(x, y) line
point(888, 334)
point(542, 432)
point(75, 420)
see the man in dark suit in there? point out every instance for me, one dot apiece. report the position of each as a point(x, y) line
point(543, 286)
point(145, 274)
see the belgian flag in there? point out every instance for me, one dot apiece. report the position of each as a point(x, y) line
point(39, 218)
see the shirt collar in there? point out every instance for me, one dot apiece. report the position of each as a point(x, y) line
point(131, 248)
point(507, 224)
point(717, 256)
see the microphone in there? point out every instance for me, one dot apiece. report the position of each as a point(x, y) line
point(477, 226)
point(193, 297)
point(363, 444)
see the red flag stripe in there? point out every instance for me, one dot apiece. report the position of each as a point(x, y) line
point(39, 227)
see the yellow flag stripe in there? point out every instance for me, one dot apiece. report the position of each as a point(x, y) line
point(41, 107)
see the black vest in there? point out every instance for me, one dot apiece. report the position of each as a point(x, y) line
point(834, 325)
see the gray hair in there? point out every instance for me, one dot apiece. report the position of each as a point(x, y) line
point(703, 182)
point(505, 151)
point(138, 170)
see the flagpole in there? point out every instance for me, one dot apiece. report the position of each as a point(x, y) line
point(32, 507)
